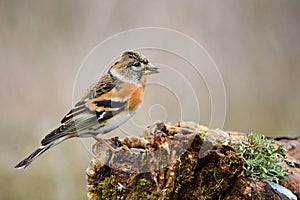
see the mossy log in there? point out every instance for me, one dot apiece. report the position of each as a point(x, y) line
point(186, 161)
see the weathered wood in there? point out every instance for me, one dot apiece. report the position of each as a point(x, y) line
point(184, 161)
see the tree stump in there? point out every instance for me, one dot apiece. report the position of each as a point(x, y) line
point(186, 161)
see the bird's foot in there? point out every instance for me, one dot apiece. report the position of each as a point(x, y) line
point(106, 143)
point(99, 142)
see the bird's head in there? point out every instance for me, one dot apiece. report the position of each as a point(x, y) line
point(132, 66)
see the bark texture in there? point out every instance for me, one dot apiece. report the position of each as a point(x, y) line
point(185, 161)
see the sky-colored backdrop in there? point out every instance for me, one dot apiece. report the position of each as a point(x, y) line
point(255, 44)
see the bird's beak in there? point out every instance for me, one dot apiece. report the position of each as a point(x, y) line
point(151, 69)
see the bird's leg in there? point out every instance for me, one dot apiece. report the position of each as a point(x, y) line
point(113, 150)
point(124, 147)
point(101, 141)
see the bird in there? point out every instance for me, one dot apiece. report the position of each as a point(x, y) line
point(106, 105)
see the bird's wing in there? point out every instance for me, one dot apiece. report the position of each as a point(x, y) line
point(87, 104)
point(95, 107)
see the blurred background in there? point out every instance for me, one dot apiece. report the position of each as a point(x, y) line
point(255, 44)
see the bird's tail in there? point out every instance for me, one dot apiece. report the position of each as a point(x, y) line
point(27, 161)
point(51, 140)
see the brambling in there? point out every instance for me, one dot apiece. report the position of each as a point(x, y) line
point(110, 102)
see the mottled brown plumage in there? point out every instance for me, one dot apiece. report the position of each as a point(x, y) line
point(109, 103)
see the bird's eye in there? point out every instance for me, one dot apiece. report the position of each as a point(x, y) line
point(137, 64)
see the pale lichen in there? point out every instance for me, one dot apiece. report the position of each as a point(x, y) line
point(262, 160)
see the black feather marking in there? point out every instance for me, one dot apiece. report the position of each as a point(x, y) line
point(110, 104)
point(27, 161)
point(73, 113)
point(137, 56)
point(55, 134)
point(107, 114)
point(104, 87)
point(104, 115)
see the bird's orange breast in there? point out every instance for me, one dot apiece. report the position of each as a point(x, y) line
point(124, 92)
point(136, 99)
point(137, 96)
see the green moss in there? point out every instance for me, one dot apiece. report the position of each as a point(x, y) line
point(215, 180)
point(202, 135)
point(211, 138)
point(212, 173)
point(184, 174)
point(231, 158)
point(261, 159)
point(106, 189)
point(144, 182)
point(140, 189)
point(152, 197)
